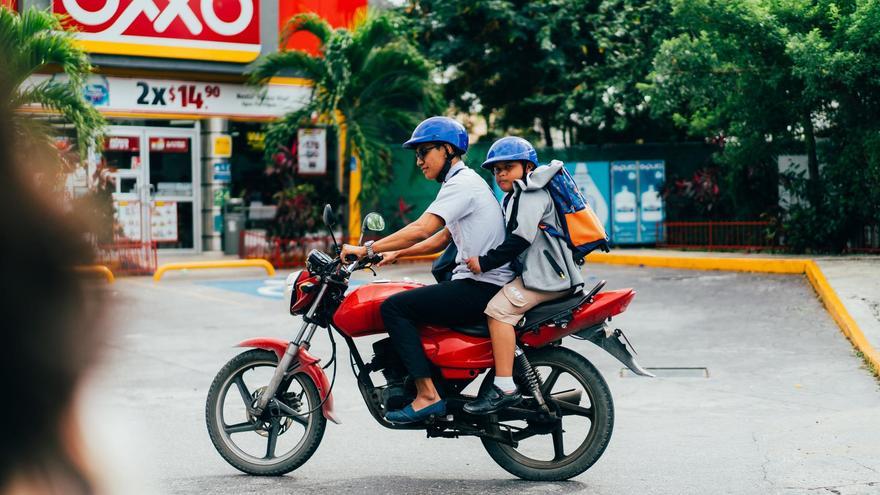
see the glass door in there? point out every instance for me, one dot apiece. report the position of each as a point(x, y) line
point(173, 159)
point(122, 158)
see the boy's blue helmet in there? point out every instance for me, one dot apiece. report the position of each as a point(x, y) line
point(439, 129)
point(510, 148)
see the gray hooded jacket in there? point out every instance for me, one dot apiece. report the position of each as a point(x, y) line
point(547, 264)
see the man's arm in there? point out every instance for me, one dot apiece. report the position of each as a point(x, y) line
point(431, 245)
point(423, 228)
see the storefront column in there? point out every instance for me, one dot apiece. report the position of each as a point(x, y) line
point(216, 150)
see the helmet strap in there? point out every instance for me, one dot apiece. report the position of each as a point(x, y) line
point(446, 166)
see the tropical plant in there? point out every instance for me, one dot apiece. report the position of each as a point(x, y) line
point(565, 64)
point(773, 77)
point(369, 80)
point(36, 40)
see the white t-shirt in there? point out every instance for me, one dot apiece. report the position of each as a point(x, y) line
point(474, 218)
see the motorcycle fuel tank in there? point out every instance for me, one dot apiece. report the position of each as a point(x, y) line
point(359, 315)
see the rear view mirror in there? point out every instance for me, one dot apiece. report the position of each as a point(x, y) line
point(374, 222)
point(329, 216)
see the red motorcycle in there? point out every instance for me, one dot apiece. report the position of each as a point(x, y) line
point(267, 407)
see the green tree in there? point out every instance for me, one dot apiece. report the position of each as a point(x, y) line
point(571, 64)
point(771, 77)
point(36, 40)
point(371, 79)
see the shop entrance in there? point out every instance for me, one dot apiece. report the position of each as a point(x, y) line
point(156, 176)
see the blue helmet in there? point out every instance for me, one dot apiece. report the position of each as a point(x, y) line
point(510, 148)
point(439, 129)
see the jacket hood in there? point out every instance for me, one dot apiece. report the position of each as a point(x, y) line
point(539, 177)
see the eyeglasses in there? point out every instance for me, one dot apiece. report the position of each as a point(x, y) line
point(421, 153)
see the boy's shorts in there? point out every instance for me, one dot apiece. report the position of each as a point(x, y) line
point(514, 300)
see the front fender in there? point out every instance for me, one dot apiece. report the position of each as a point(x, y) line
point(308, 364)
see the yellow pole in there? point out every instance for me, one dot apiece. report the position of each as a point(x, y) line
point(354, 183)
point(354, 204)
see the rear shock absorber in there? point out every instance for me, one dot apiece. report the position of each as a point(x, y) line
point(531, 378)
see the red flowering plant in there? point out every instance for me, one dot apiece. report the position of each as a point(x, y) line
point(697, 198)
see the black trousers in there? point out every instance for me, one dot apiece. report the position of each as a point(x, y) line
point(457, 302)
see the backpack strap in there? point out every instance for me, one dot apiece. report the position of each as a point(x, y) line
point(512, 224)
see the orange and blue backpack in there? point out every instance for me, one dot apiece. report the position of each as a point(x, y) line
point(582, 230)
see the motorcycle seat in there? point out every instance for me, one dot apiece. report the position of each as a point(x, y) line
point(537, 315)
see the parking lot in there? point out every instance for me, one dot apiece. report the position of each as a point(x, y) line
point(765, 394)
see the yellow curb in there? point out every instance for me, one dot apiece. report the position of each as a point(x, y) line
point(808, 267)
point(97, 269)
point(764, 265)
point(838, 311)
point(201, 265)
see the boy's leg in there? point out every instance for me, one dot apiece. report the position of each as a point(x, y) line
point(503, 345)
point(504, 311)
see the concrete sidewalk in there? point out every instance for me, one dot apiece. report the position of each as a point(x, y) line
point(855, 278)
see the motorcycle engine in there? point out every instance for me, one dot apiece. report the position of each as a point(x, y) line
point(399, 389)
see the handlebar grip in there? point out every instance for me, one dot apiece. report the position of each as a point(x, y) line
point(350, 258)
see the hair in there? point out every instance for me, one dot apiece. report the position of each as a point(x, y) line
point(50, 321)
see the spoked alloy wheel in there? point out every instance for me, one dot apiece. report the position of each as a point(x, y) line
point(558, 450)
point(276, 443)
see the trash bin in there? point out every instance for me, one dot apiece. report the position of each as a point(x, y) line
point(233, 224)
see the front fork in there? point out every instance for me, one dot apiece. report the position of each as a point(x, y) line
point(302, 340)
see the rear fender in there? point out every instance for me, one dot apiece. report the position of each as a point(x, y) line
point(308, 364)
point(610, 342)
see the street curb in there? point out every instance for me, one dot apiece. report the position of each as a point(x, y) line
point(807, 267)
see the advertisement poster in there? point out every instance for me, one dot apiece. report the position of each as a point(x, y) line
point(128, 217)
point(164, 221)
point(624, 203)
point(147, 95)
point(593, 181)
point(652, 174)
point(312, 151)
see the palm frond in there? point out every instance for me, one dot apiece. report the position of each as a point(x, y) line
point(310, 23)
point(291, 60)
point(67, 100)
point(372, 30)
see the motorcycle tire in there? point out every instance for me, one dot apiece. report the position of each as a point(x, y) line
point(314, 430)
point(597, 438)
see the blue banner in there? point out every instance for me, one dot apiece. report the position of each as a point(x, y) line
point(624, 202)
point(652, 174)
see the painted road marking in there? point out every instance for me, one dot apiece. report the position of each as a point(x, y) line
point(271, 288)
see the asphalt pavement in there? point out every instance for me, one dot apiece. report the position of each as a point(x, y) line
point(768, 395)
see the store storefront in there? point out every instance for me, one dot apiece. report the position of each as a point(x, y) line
point(170, 79)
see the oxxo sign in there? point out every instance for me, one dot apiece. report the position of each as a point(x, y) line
point(224, 30)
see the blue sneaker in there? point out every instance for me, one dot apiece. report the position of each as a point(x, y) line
point(408, 415)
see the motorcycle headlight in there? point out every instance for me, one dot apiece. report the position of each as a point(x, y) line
point(289, 286)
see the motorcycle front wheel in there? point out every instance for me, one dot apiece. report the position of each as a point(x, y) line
point(558, 450)
point(275, 443)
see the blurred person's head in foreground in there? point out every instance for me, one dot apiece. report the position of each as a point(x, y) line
point(51, 331)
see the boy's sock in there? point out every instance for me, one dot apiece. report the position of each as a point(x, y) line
point(506, 384)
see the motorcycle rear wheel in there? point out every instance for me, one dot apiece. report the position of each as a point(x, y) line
point(298, 392)
point(535, 458)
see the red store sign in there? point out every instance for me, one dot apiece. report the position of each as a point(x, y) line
point(169, 145)
point(122, 143)
point(222, 30)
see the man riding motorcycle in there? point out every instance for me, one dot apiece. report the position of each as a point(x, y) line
point(464, 212)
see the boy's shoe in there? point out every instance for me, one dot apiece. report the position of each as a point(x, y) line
point(409, 415)
point(492, 401)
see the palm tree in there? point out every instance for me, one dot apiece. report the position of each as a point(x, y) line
point(370, 80)
point(35, 40)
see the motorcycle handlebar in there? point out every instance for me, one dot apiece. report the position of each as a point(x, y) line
point(358, 264)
